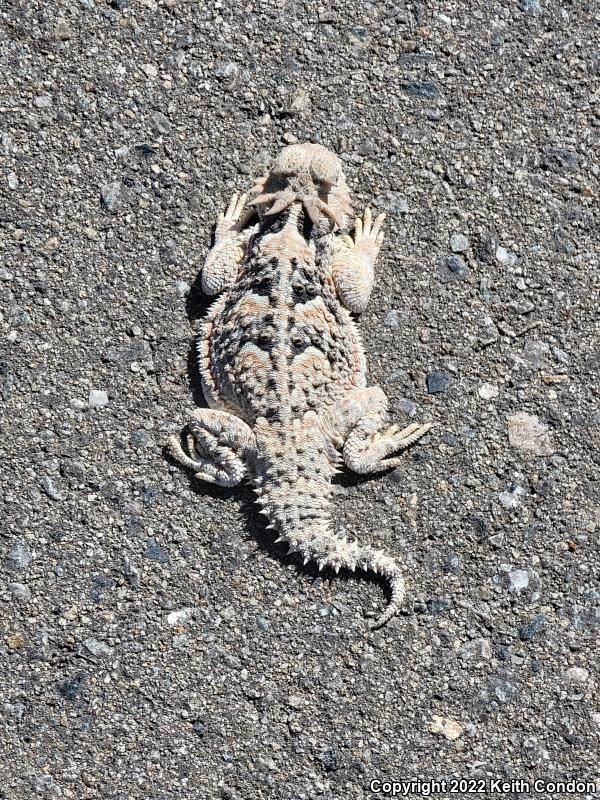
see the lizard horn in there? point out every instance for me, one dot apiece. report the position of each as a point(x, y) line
point(333, 213)
point(282, 202)
point(263, 198)
point(312, 210)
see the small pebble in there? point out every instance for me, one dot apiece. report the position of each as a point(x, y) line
point(487, 391)
point(20, 556)
point(511, 498)
point(505, 257)
point(518, 579)
point(577, 675)
point(150, 70)
point(48, 486)
point(449, 728)
point(42, 101)
point(394, 318)
point(406, 406)
point(366, 147)
point(528, 434)
point(533, 7)
point(299, 101)
point(459, 243)
point(130, 571)
point(477, 648)
point(160, 123)
point(19, 591)
point(179, 617)
point(141, 438)
point(111, 196)
point(97, 399)
point(437, 381)
point(226, 69)
point(536, 352)
point(397, 204)
point(97, 648)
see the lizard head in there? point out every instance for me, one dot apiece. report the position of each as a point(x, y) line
point(308, 174)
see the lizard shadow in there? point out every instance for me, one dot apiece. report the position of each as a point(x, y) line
point(196, 306)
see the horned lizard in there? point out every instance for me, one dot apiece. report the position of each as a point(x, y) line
point(281, 360)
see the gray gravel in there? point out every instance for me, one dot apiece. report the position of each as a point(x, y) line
point(155, 643)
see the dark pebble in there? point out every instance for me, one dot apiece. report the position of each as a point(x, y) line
point(437, 381)
point(72, 686)
point(143, 150)
point(574, 739)
point(479, 525)
point(154, 552)
point(457, 266)
point(74, 471)
point(486, 247)
point(426, 89)
point(438, 606)
point(537, 624)
point(149, 495)
point(559, 160)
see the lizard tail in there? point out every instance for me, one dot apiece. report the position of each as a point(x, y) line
point(332, 551)
point(298, 507)
point(387, 567)
point(311, 535)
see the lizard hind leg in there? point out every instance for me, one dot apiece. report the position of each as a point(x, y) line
point(357, 426)
point(219, 446)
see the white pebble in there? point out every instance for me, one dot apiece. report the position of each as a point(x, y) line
point(487, 391)
point(459, 243)
point(505, 257)
point(178, 617)
point(518, 579)
point(97, 398)
point(577, 675)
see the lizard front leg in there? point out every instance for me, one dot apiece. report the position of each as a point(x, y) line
point(219, 447)
point(354, 262)
point(357, 426)
point(231, 238)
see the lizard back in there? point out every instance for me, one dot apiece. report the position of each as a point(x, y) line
point(280, 344)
